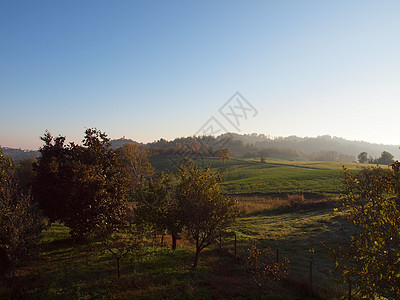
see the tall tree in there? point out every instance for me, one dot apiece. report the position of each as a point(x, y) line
point(205, 211)
point(135, 164)
point(363, 157)
point(120, 240)
point(223, 154)
point(385, 159)
point(83, 186)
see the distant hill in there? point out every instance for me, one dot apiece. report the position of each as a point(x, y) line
point(120, 142)
point(325, 147)
point(317, 144)
point(19, 154)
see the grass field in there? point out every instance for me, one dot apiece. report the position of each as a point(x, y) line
point(301, 236)
point(70, 271)
point(84, 271)
point(274, 176)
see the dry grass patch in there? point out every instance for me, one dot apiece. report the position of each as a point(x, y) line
point(252, 204)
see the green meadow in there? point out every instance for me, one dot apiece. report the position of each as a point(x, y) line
point(64, 270)
point(274, 176)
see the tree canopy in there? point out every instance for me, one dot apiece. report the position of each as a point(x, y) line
point(363, 157)
point(371, 261)
point(164, 214)
point(20, 220)
point(82, 186)
point(205, 210)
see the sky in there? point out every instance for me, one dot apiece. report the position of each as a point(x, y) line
point(163, 69)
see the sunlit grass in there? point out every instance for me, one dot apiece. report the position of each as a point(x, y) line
point(285, 177)
point(249, 176)
point(300, 236)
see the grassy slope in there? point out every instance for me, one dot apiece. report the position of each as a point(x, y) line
point(274, 176)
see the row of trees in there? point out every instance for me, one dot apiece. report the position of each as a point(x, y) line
point(386, 158)
point(190, 201)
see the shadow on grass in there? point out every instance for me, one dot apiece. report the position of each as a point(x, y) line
point(57, 244)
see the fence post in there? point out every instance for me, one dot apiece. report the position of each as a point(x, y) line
point(311, 289)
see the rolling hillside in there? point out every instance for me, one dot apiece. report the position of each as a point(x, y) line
point(274, 176)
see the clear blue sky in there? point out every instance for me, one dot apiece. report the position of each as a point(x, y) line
point(152, 69)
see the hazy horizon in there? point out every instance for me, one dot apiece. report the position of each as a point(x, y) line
point(79, 141)
point(150, 70)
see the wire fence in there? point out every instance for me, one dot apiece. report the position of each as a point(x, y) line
point(304, 272)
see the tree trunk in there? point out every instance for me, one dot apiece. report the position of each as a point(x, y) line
point(174, 239)
point(13, 276)
point(196, 257)
point(118, 267)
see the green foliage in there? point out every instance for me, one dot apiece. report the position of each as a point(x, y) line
point(194, 202)
point(371, 262)
point(205, 210)
point(24, 173)
point(83, 186)
point(363, 157)
point(250, 146)
point(20, 225)
point(20, 221)
point(386, 158)
point(121, 240)
point(158, 208)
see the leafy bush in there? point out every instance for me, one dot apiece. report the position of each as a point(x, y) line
point(262, 267)
point(371, 261)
